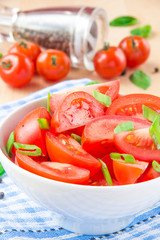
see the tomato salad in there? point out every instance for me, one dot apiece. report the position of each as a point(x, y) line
point(91, 136)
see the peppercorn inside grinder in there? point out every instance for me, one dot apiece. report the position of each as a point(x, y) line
point(79, 32)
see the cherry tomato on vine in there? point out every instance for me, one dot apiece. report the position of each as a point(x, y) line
point(16, 69)
point(136, 50)
point(109, 62)
point(53, 64)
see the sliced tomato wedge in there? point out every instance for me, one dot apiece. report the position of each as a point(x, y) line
point(99, 180)
point(137, 143)
point(128, 173)
point(63, 148)
point(77, 109)
point(97, 137)
point(149, 174)
point(28, 130)
point(131, 105)
point(110, 88)
point(55, 171)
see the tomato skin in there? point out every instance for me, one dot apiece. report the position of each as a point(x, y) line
point(50, 69)
point(97, 137)
point(55, 171)
point(28, 130)
point(110, 63)
point(19, 71)
point(135, 55)
point(63, 148)
point(149, 174)
point(77, 109)
point(29, 49)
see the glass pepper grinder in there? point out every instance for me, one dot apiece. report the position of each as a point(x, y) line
point(80, 32)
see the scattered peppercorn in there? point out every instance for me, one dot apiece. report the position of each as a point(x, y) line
point(1, 195)
point(124, 72)
point(156, 69)
point(0, 179)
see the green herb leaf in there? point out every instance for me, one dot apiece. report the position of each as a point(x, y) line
point(124, 21)
point(10, 142)
point(91, 83)
point(48, 105)
point(127, 157)
point(43, 123)
point(32, 150)
point(154, 131)
point(126, 126)
point(150, 114)
point(156, 166)
point(76, 137)
point(1, 55)
point(106, 173)
point(102, 98)
point(142, 31)
point(1, 170)
point(140, 79)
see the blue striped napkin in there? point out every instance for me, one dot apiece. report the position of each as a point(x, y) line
point(23, 219)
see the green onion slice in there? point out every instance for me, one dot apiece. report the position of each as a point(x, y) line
point(76, 137)
point(91, 83)
point(1, 170)
point(106, 173)
point(127, 157)
point(142, 31)
point(140, 79)
point(1, 55)
point(150, 114)
point(156, 166)
point(124, 21)
point(126, 126)
point(32, 150)
point(43, 123)
point(48, 106)
point(10, 142)
point(102, 98)
point(154, 131)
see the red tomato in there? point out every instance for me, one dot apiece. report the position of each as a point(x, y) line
point(137, 143)
point(77, 109)
point(16, 70)
point(131, 105)
point(53, 64)
point(110, 62)
point(128, 173)
point(29, 49)
point(136, 50)
point(149, 174)
point(97, 137)
point(99, 180)
point(55, 171)
point(110, 88)
point(63, 148)
point(28, 130)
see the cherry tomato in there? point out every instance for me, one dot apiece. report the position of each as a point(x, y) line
point(110, 88)
point(128, 173)
point(137, 143)
point(28, 130)
point(131, 105)
point(136, 50)
point(29, 49)
point(110, 62)
point(99, 180)
point(63, 148)
point(77, 109)
point(97, 137)
point(53, 64)
point(56, 171)
point(16, 70)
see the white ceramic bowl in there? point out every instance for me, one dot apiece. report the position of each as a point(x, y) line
point(81, 209)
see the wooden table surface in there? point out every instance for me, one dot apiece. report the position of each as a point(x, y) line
point(148, 12)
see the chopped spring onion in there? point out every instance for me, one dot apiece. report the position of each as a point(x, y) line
point(140, 79)
point(127, 157)
point(142, 31)
point(43, 123)
point(10, 142)
point(1, 170)
point(124, 21)
point(48, 106)
point(1, 55)
point(91, 83)
point(126, 126)
point(150, 114)
point(154, 131)
point(102, 98)
point(156, 166)
point(106, 173)
point(76, 137)
point(32, 150)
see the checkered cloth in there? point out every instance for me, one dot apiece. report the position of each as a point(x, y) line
point(23, 219)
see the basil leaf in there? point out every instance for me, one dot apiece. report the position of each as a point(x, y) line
point(43, 123)
point(76, 137)
point(1, 170)
point(9, 145)
point(142, 31)
point(124, 21)
point(32, 150)
point(126, 126)
point(154, 131)
point(140, 79)
point(48, 105)
point(156, 166)
point(127, 157)
point(106, 173)
point(102, 98)
point(150, 114)
point(91, 83)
